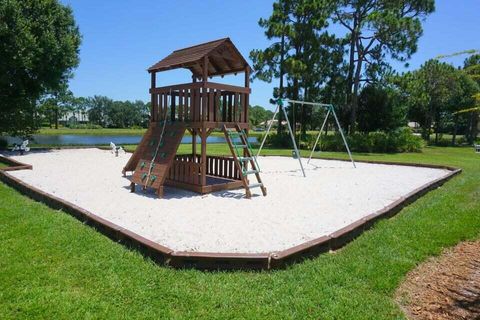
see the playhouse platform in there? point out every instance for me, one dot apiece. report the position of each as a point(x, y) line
point(299, 213)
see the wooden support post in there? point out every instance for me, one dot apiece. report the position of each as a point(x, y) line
point(172, 106)
point(204, 157)
point(159, 192)
point(165, 106)
point(203, 105)
point(153, 102)
point(246, 95)
point(194, 143)
point(246, 107)
point(205, 69)
point(209, 131)
point(192, 113)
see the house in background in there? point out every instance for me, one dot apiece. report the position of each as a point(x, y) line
point(71, 117)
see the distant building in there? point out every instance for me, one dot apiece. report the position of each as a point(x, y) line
point(413, 125)
point(74, 117)
point(274, 124)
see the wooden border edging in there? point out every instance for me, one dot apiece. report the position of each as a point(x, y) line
point(224, 261)
point(149, 248)
point(14, 164)
point(348, 233)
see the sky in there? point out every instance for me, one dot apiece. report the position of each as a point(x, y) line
point(121, 39)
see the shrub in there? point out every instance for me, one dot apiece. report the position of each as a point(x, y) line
point(275, 141)
point(447, 142)
point(3, 144)
point(442, 142)
point(400, 140)
point(85, 126)
point(406, 141)
point(462, 140)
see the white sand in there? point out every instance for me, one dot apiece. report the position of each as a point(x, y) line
point(296, 210)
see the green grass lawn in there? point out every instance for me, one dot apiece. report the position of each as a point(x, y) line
point(93, 132)
point(139, 132)
point(3, 165)
point(112, 132)
point(53, 266)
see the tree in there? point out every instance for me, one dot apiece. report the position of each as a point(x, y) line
point(434, 93)
point(471, 101)
point(294, 24)
point(55, 105)
point(471, 66)
point(39, 47)
point(467, 117)
point(142, 112)
point(98, 110)
point(380, 108)
point(312, 59)
point(126, 114)
point(269, 63)
point(466, 98)
point(309, 61)
point(106, 112)
point(81, 105)
point(258, 114)
point(47, 111)
point(375, 29)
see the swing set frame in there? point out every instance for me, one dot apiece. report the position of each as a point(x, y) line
point(330, 110)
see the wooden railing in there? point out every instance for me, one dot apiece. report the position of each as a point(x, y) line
point(200, 102)
point(187, 168)
point(223, 167)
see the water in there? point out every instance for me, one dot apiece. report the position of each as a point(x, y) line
point(86, 140)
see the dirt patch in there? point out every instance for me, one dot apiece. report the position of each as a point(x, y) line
point(445, 287)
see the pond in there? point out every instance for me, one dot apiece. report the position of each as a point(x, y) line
point(91, 140)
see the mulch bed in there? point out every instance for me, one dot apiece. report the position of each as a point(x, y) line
point(445, 287)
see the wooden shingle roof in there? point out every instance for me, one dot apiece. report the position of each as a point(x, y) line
point(222, 55)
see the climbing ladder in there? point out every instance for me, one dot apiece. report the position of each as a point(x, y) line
point(155, 157)
point(242, 154)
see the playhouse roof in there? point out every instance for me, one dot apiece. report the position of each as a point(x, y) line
point(222, 55)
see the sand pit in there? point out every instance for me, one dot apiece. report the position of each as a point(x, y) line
point(296, 210)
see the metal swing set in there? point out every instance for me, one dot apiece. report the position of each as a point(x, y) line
point(330, 111)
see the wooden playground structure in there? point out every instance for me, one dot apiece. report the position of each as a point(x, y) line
point(199, 107)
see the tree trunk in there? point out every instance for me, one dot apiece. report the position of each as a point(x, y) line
point(294, 116)
point(326, 128)
point(354, 103)
point(351, 67)
point(425, 134)
point(280, 89)
point(302, 113)
point(428, 123)
point(455, 124)
point(474, 127)
point(56, 117)
point(426, 128)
